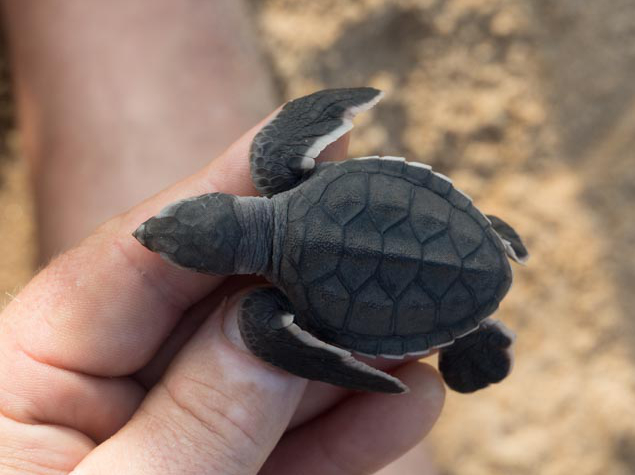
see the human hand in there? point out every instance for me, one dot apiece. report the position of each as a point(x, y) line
point(113, 361)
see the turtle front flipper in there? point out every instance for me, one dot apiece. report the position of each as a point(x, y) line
point(479, 359)
point(514, 246)
point(286, 148)
point(266, 323)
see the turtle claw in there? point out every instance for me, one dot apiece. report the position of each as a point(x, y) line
point(267, 326)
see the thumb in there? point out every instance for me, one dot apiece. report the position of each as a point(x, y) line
point(218, 409)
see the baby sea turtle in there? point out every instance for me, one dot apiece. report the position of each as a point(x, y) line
point(377, 256)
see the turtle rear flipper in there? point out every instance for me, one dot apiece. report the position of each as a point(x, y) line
point(286, 148)
point(514, 246)
point(479, 359)
point(267, 327)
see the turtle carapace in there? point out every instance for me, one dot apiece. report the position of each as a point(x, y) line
point(376, 256)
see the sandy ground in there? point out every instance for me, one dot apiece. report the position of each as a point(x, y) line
point(530, 107)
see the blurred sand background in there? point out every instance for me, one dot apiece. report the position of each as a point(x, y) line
point(530, 107)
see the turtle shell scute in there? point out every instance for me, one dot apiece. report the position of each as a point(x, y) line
point(362, 253)
point(322, 246)
point(345, 197)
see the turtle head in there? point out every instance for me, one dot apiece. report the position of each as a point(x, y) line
point(208, 233)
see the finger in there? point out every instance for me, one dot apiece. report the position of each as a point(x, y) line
point(100, 311)
point(152, 372)
point(218, 409)
point(34, 392)
point(364, 433)
point(105, 307)
point(317, 399)
point(417, 461)
point(320, 397)
point(40, 449)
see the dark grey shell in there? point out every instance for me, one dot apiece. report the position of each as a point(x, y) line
point(387, 258)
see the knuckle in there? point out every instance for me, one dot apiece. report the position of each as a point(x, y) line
point(27, 449)
point(216, 416)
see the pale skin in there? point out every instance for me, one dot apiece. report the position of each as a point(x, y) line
point(113, 361)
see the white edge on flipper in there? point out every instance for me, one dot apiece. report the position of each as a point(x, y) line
point(509, 250)
point(282, 320)
point(492, 322)
point(309, 340)
point(347, 124)
point(353, 111)
point(307, 163)
point(321, 143)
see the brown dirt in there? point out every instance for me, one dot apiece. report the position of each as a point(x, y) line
point(530, 107)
